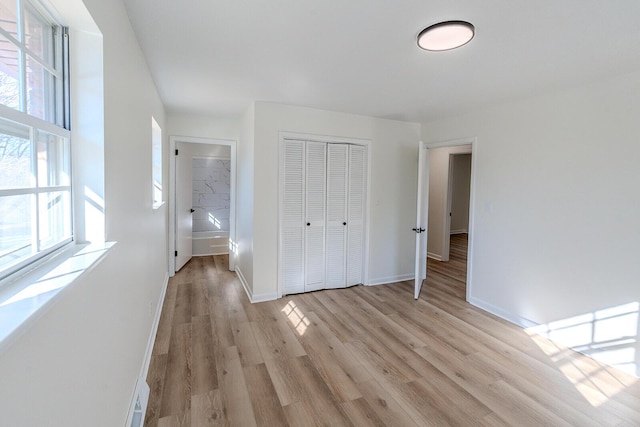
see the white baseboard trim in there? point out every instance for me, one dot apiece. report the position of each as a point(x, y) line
point(257, 297)
point(243, 281)
point(141, 386)
point(434, 256)
point(503, 314)
point(264, 297)
point(154, 329)
point(391, 279)
point(212, 253)
point(462, 231)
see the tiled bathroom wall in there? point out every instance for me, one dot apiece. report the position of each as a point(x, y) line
point(211, 193)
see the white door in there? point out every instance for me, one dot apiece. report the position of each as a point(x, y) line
point(293, 217)
point(357, 165)
point(183, 197)
point(337, 178)
point(422, 205)
point(316, 184)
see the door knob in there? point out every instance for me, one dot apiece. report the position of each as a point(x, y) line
point(308, 224)
point(192, 210)
point(344, 223)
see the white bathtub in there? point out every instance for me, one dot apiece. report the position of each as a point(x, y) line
point(210, 243)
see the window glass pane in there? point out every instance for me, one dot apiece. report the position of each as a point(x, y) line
point(16, 228)
point(9, 74)
point(55, 218)
point(40, 91)
point(53, 160)
point(16, 169)
point(38, 35)
point(8, 16)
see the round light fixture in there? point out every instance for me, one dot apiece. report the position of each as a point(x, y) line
point(446, 35)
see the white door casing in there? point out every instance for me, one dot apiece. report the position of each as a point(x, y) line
point(422, 209)
point(184, 216)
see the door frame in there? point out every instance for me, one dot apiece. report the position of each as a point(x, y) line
point(473, 141)
point(367, 203)
point(173, 140)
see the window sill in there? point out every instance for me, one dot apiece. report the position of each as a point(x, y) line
point(24, 299)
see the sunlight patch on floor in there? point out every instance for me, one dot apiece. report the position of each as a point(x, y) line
point(296, 317)
point(609, 336)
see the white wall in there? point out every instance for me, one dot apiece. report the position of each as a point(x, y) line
point(211, 189)
point(78, 364)
point(394, 152)
point(556, 200)
point(244, 199)
point(438, 184)
point(203, 126)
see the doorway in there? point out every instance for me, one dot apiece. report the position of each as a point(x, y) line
point(441, 255)
point(182, 211)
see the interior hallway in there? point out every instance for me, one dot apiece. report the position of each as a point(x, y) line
point(366, 356)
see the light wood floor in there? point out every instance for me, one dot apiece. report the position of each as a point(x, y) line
point(366, 356)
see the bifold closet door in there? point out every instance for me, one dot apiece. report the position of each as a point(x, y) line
point(356, 191)
point(337, 177)
point(322, 215)
point(293, 216)
point(316, 185)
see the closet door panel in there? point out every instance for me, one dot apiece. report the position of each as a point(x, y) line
point(315, 210)
point(293, 224)
point(356, 214)
point(336, 215)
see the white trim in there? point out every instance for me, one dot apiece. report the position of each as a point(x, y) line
point(173, 140)
point(461, 231)
point(243, 282)
point(154, 329)
point(434, 256)
point(501, 313)
point(25, 119)
point(144, 371)
point(322, 138)
point(269, 296)
point(451, 142)
point(391, 279)
point(331, 140)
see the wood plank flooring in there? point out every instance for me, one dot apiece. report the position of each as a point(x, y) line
point(366, 356)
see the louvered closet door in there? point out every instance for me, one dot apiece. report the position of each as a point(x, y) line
point(356, 213)
point(337, 154)
point(293, 218)
point(316, 180)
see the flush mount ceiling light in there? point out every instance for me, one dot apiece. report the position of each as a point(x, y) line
point(446, 35)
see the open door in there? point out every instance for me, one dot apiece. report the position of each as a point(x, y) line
point(184, 211)
point(422, 208)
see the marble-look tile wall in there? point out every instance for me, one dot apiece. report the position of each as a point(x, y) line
point(211, 193)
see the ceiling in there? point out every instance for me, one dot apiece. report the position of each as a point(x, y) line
point(213, 57)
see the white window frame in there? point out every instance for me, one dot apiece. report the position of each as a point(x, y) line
point(58, 125)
